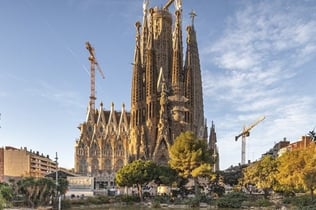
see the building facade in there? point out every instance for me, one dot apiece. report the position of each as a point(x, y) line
point(284, 146)
point(102, 147)
point(17, 163)
point(167, 96)
point(166, 99)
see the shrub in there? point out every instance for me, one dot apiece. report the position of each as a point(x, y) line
point(127, 198)
point(205, 199)
point(162, 198)
point(300, 201)
point(78, 202)
point(262, 203)
point(2, 202)
point(65, 204)
point(193, 202)
point(156, 204)
point(231, 200)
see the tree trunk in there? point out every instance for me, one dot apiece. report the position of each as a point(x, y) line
point(266, 193)
point(140, 192)
point(196, 187)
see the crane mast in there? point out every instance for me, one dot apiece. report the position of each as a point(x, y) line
point(93, 64)
point(245, 133)
point(168, 4)
point(178, 4)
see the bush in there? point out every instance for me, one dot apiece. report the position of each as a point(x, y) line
point(103, 199)
point(300, 201)
point(231, 200)
point(93, 200)
point(96, 200)
point(65, 204)
point(193, 202)
point(156, 204)
point(205, 199)
point(78, 202)
point(127, 199)
point(262, 203)
point(312, 207)
point(2, 202)
point(162, 198)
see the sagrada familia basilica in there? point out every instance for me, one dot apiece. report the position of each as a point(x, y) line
point(166, 99)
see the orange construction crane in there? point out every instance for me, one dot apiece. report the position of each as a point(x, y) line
point(245, 133)
point(93, 63)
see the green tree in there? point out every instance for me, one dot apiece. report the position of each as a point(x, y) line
point(262, 173)
point(232, 176)
point(62, 186)
point(138, 172)
point(6, 194)
point(312, 134)
point(166, 175)
point(36, 191)
point(191, 157)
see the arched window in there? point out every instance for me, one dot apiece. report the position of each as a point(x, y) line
point(108, 165)
point(119, 164)
point(107, 150)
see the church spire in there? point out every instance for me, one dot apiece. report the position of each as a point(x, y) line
point(144, 36)
point(192, 15)
point(193, 82)
point(137, 81)
point(213, 147)
point(177, 57)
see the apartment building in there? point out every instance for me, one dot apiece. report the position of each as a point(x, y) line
point(16, 163)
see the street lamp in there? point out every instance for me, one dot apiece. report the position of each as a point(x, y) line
point(59, 198)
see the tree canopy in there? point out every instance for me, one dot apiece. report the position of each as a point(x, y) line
point(294, 171)
point(36, 191)
point(262, 173)
point(190, 156)
point(138, 172)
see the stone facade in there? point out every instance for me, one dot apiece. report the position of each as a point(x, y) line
point(167, 94)
point(166, 99)
point(102, 147)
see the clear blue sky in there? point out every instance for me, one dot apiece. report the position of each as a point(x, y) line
point(257, 58)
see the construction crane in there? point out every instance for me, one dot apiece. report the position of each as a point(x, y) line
point(178, 4)
point(168, 4)
point(93, 63)
point(245, 133)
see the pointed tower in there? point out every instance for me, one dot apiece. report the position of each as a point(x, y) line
point(166, 99)
point(164, 103)
point(213, 147)
point(193, 83)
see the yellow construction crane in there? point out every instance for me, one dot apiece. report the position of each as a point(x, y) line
point(245, 133)
point(93, 63)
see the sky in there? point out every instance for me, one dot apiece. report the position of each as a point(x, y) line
point(257, 58)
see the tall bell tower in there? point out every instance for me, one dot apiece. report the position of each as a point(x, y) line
point(166, 97)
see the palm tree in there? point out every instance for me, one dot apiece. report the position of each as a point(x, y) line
point(312, 134)
point(26, 188)
point(37, 191)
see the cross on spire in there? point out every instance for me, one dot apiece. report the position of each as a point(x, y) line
point(192, 15)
